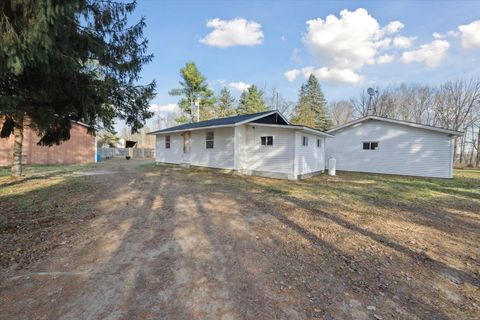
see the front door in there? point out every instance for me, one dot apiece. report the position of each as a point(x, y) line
point(186, 147)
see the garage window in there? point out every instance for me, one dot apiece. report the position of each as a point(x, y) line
point(267, 140)
point(319, 143)
point(370, 145)
point(167, 142)
point(304, 141)
point(209, 140)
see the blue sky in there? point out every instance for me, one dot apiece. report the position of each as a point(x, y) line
point(276, 38)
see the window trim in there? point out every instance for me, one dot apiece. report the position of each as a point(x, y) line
point(167, 141)
point(370, 145)
point(207, 140)
point(304, 141)
point(266, 140)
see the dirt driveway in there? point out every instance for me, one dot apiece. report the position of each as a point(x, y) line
point(168, 243)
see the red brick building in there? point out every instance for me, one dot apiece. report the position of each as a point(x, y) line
point(81, 148)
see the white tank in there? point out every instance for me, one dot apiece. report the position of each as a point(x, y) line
point(332, 163)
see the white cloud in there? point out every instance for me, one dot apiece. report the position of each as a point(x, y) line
point(239, 86)
point(451, 33)
point(337, 75)
point(347, 42)
point(437, 35)
point(235, 32)
point(403, 42)
point(385, 58)
point(164, 108)
point(291, 75)
point(332, 75)
point(470, 34)
point(393, 27)
point(343, 45)
point(431, 54)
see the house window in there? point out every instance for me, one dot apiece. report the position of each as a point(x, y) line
point(304, 141)
point(167, 142)
point(267, 140)
point(319, 144)
point(209, 139)
point(370, 145)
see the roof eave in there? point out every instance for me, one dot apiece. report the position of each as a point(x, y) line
point(410, 124)
point(266, 114)
point(292, 127)
point(191, 129)
point(321, 133)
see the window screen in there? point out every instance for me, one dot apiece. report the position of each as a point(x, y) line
point(167, 142)
point(267, 140)
point(209, 137)
point(304, 141)
point(370, 145)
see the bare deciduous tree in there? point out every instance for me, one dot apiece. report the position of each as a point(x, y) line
point(341, 112)
point(453, 105)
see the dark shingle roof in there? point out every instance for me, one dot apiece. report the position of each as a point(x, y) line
point(214, 122)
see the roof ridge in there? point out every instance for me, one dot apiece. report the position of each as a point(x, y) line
point(397, 121)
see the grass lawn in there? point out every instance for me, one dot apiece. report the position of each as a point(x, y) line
point(39, 210)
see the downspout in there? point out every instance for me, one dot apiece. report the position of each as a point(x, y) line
point(295, 155)
point(324, 154)
point(451, 159)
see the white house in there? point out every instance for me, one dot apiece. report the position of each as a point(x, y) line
point(381, 145)
point(253, 144)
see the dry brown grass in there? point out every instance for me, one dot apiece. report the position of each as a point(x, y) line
point(408, 246)
point(187, 243)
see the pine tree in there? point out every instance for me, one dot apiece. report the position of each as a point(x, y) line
point(194, 92)
point(70, 60)
point(251, 101)
point(225, 104)
point(311, 109)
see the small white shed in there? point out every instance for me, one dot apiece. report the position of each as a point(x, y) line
point(382, 145)
point(254, 144)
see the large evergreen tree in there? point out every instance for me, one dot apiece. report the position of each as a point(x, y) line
point(225, 104)
point(311, 109)
point(194, 93)
point(251, 101)
point(69, 59)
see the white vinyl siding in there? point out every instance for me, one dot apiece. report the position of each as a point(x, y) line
point(241, 148)
point(309, 158)
point(402, 150)
point(220, 156)
point(172, 154)
point(276, 158)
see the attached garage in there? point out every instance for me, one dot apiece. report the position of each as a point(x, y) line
point(381, 145)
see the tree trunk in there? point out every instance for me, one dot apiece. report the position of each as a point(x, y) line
point(17, 147)
point(462, 146)
point(455, 143)
point(478, 148)
point(472, 152)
